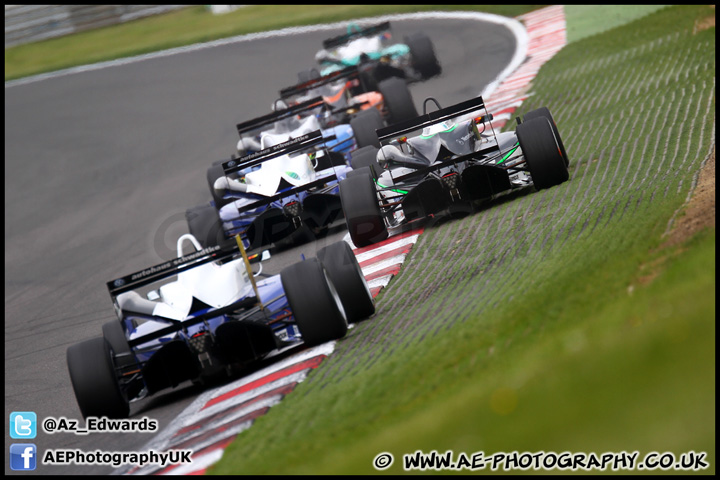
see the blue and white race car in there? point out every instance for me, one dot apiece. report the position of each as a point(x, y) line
point(214, 319)
point(287, 192)
point(373, 50)
point(290, 120)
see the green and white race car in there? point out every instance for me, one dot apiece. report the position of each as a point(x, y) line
point(372, 49)
point(444, 161)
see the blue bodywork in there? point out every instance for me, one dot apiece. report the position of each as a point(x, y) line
point(235, 223)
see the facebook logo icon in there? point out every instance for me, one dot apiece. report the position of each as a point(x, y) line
point(23, 425)
point(23, 456)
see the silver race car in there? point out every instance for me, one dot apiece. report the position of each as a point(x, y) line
point(447, 157)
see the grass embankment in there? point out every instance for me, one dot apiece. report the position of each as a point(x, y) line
point(554, 322)
point(194, 25)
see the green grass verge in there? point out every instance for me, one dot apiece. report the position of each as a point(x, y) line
point(587, 20)
point(196, 25)
point(532, 325)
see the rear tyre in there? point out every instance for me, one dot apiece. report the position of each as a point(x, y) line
point(545, 112)
point(364, 125)
point(542, 153)
point(363, 216)
point(92, 373)
point(205, 225)
point(345, 273)
point(422, 55)
point(398, 100)
point(115, 336)
point(368, 82)
point(365, 157)
point(314, 302)
point(213, 173)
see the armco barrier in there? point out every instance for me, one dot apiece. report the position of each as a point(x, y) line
point(31, 23)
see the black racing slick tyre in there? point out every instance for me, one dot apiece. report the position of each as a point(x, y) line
point(397, 99)
point(205, 225)
point(360, 205)
point(213, 173)
point(542, 153)
point(545, 112)
point(365, 157)
point(115, 336)
point(315, 304)
point(92, 374)
point(345, 273)
point(422, 55)
point(364, 126)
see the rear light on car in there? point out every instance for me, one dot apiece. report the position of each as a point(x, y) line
point(292, 209)
point(482, 119)
point(199, 342)
point(451, 180)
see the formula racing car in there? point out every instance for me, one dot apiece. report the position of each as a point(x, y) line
point(371, 48)
point(213, 320)
point(292, 119)
point(444, 158)
point(351, 93)
point(287, 192)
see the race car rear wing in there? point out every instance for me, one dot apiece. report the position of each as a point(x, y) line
point(295, 145)
point(225, 251)
point(171, 268)
point(311, 141)
point(432, 118)
point(259, 122)
point(365, 32)
point(346, 74)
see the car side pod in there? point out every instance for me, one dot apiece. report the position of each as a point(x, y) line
point(542, 153)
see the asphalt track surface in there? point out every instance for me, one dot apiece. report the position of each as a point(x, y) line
point(99, 169)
